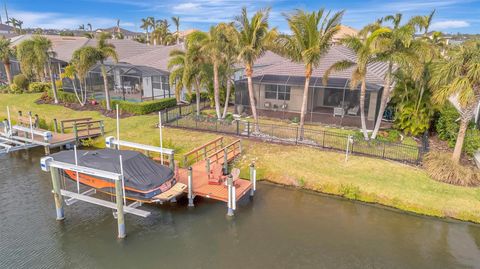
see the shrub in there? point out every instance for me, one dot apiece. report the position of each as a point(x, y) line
point(59, 83)
point(447, 125)
point(35, 87)
point(440, 167)
point(472, 141)
point(4, 89)
point(192, 97)
point(413, 122)
point(21, 81)
point(66, 97)
point(15, 89)
point(143, 108)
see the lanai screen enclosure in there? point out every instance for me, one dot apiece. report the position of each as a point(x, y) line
point(128, 82)
point(334, 103)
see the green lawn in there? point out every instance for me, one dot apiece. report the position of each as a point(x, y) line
point(366, 179)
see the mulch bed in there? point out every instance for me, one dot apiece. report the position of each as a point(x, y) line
point(436, 144)
point(87, 107)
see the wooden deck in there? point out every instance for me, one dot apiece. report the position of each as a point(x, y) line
point(58, 139)
point(201, 186)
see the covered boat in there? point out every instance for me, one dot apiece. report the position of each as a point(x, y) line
point(145, 180)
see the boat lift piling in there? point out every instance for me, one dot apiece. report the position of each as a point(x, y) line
point(49, 164)
point(253, 179)
point(232, 201)
point(190, 187)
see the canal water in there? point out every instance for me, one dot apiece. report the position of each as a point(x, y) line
point(280, 228)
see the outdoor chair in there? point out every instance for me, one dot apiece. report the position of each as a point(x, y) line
point(216, 176)
point(338, 111)
point(353, 111)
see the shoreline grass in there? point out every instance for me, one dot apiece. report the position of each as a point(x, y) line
point(365, 179)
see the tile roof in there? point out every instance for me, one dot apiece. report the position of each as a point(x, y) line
point(375, 75)
point(156, 58)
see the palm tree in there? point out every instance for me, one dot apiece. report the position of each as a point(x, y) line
point(81, 27)
point(254, 37)
point(176, 21)
point(146, 26)
point(311, 38)
point(397, 45)
point(83, 60)
point(229, 59)
point(189, 67)
point(13, 22)
point(5, 53)
point(363, 46)
point(458, 75)
point(177, 65)
point(105, 51)
point(213, 47)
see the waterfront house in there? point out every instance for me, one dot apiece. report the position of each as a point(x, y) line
point(279, 83)
point(141, 73)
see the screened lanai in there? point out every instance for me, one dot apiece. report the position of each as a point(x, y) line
point(130, 82)
point(335, 103)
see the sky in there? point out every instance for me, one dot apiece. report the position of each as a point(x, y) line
point(452, 16)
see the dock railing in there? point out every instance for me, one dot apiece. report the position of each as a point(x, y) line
point(233, 149)
point(202, 152)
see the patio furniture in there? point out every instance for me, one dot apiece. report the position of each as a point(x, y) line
point(338, 111)
point(267, 104)
point(117, 89)
point(353, 111)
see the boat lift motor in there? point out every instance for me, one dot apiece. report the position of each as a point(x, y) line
point(45, 163)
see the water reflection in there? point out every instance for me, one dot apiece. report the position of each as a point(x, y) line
point(280, 228)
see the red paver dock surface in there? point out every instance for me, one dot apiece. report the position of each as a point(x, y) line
point(200, 179)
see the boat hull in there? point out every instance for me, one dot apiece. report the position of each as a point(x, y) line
point(108, 187)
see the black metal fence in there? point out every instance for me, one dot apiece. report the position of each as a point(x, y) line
point(291, 135)
point(173, 114)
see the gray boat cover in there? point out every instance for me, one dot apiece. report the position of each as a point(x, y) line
point(140, 172)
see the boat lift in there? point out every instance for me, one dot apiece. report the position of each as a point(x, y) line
point(48, 164)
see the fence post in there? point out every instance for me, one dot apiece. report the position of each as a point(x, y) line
point(248, 128)
point(238, 127)
point(323, 139)
point(166, 115)
point(180, 111)
point(296, 137)
point(55, 125)
point(383, 154)
point(75, 133)
point(225, 161)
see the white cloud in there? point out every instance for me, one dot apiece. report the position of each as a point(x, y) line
point(186, 7)
point(449, 24)
point(53, 20)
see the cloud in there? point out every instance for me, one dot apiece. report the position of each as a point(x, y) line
point(53, 20)
point(449, 24)
point(186, 7)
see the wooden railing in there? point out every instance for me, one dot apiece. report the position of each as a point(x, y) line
point(67, 125)
point(202, 152)
point(229, 152)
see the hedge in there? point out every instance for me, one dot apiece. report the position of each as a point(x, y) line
point(66, 97)
point(143, 108)
point(36, 87)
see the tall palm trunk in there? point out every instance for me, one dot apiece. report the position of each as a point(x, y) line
point(251, 94)
point(227, 95)
point(105, 86)
point(216, 89)
point(52, 80)
point(308, 74)
point(387, 91)
point(8, 70)
point(197, 95)
point(363, 92)
point(465, 119)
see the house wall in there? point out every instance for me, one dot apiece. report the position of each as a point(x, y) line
point(294, 104)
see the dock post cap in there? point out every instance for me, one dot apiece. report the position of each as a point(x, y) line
point(45, 163)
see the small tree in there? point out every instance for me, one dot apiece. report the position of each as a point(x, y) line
point(105, 50)
point(458, 76)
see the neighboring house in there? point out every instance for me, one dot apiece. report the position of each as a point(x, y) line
point(343, 32)
point(141, 73)
point(279, 83)
point(126, 33)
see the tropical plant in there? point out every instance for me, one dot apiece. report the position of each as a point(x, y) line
point(105, 50)
point(161, 34)
point(35, 56)
point(146, 24)
point(457, 76)
point(311, 38)
point(83, 60)
point(213, 47)
point(6, 52)
point(21, 81)
point(176, 21)
point(398, 46)
point(189, 67)
point(254, 38)
point(363, 47)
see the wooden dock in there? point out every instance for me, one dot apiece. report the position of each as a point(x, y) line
point(211, 156)
point(28, 133)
